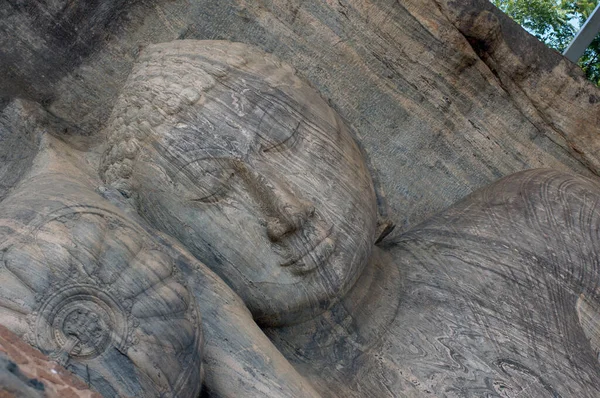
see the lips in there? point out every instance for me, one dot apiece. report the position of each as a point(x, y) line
point(317, 254)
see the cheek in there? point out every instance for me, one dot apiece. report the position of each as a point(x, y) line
point(341, 165)
point(229, 231)
point(345, 195)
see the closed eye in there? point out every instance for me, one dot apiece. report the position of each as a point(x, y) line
point(212, 189)
point(288, 143)
point(204, 180)
point(211, 198)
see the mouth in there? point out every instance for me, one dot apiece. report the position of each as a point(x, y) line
point(302, 262)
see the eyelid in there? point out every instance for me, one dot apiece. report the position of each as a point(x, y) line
point(212, 197)
point(288, 143)
point(207, 184)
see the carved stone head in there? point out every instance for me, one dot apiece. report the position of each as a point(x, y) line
point(225, 148)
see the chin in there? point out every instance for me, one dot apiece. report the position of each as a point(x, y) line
point(278, 304)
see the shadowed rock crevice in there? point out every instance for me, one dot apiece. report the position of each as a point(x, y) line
point(42, 42)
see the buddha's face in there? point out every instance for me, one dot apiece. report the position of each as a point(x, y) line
point(265, 185)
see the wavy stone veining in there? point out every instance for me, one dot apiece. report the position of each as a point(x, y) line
point(242, 162)
point(95, 292)
point(489, 300)
point(113, 303)
point(223, 147)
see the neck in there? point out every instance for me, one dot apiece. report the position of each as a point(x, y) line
point(354, 325)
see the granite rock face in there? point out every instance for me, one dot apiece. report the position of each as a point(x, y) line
point(444, 96)
point(226, 149)
point(145, 178)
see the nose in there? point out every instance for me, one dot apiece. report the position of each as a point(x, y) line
point(285, 212)
point(289, 215)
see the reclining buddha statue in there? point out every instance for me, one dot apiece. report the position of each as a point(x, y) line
point(228, 151)
point(94, 287)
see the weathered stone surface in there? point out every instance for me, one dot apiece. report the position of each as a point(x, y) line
point(42, 42)
point(77, 244)
point(437, 113)
point(496, 296)
point(549, 90)
point(229, 141)
point(27, 373)
point(225, 148)
point(19, 139)
point(92, 289)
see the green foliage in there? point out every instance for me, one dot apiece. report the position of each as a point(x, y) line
point(555, 22)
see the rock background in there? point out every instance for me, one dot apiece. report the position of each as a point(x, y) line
point(444, 96)
point(19, 139)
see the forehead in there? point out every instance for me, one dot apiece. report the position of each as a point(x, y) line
point(188, 140)
point(235, 117)
point(217, 100)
